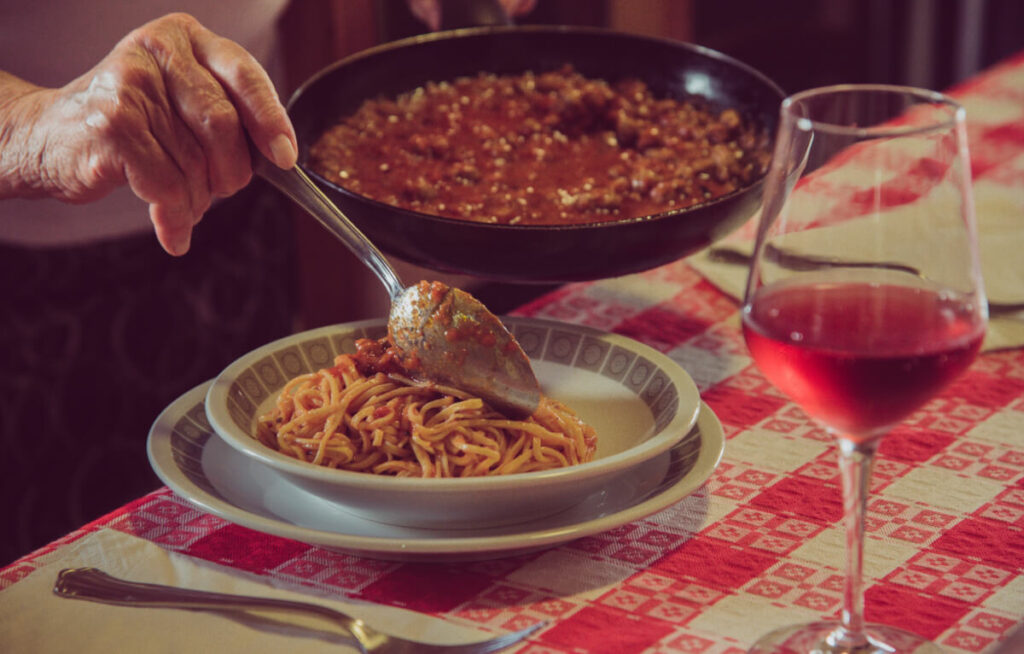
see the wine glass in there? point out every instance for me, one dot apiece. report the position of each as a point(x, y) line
point(865, 297)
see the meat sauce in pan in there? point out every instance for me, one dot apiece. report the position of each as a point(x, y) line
point(548, 148)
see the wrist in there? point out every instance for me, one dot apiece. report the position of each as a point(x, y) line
point(21, 169)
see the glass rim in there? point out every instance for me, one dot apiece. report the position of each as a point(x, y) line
point(955, 117)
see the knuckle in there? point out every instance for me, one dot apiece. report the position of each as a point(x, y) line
point(238, 73)
point(99, 172)
point(246, 79)
point(220, 118)
point(269, 116)
point(164, 38)
point(152, 39)
point(165, 25)
point(180, 19)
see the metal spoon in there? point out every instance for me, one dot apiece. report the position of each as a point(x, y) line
point(450, 335)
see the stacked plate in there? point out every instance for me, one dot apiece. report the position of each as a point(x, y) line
point(657, 443)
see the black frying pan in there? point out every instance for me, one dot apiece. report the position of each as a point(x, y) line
point(542, 253)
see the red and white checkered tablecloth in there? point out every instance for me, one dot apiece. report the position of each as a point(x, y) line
point(760, 544)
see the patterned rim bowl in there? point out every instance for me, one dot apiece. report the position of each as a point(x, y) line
point(639, 401)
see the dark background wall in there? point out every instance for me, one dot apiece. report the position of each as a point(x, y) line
point(803, 43)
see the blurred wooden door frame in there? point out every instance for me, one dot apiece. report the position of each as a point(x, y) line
point(333, 286)
point(663, 18)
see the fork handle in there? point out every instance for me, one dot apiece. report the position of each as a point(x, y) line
point(95, 585)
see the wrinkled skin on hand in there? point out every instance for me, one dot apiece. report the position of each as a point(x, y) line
point(166, 112)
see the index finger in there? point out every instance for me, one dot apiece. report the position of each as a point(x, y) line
point(253, 94)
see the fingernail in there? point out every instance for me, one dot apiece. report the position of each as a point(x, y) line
point(283, 151)
point(181, 243)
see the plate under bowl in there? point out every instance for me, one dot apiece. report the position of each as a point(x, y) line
point(215, 477)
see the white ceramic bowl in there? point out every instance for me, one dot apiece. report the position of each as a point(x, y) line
point(639, 401)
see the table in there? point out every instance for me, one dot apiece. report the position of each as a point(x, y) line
point(756, 547)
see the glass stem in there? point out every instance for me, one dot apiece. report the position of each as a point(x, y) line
point(855, 460)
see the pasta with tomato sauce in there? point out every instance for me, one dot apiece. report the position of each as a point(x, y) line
point(365, 414)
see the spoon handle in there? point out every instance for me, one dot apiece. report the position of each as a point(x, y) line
point(299, 187)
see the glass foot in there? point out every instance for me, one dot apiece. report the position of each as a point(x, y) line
point(826, 638)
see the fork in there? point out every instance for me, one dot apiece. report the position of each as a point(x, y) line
point(95, 585)
point(799, 261)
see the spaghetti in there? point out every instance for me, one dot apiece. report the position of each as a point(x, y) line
point(365, 415)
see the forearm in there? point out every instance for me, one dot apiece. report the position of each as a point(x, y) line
point(21, 170)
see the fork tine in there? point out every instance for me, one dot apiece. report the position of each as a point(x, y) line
point(495, 644)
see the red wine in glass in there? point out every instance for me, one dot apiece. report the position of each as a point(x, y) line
point(860, 356)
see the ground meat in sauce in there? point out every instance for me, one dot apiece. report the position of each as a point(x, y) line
point(373, 356)
point(548, 148)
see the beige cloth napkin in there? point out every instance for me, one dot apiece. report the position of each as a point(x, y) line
point(1000, 214)
point(35, 621)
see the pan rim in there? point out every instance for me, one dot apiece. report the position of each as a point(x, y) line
point(467, 32)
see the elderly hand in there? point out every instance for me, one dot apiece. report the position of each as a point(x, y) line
point(166, 112)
